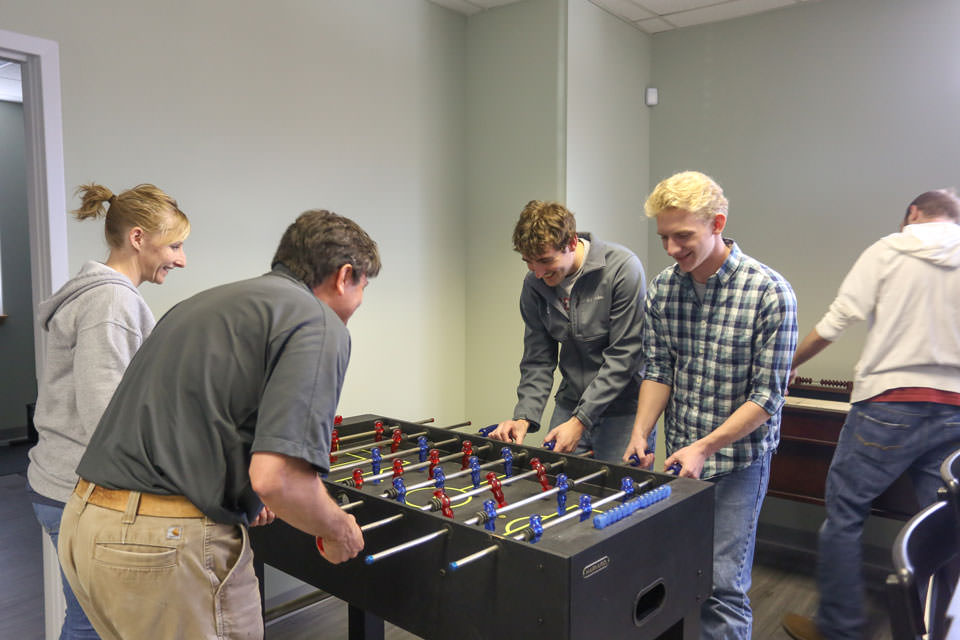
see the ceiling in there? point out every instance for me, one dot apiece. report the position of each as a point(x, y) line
point(652, 16)
point(10, 81)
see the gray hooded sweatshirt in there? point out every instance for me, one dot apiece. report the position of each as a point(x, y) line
point(94, 323)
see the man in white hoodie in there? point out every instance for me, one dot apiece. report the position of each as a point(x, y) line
point(906, 393)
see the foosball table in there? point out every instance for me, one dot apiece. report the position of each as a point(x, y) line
point(472, 538)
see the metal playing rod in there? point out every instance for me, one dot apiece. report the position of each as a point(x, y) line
point(420, 465)
point(506, 481)
point(367, 446)
point(458, 474)
point(376, 524)
point(473, 557)
point(387, 456)
point(386, 429)
point(574, 513)
point(543, 494)
point(386, 553)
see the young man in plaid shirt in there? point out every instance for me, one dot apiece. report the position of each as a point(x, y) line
point(720, 333)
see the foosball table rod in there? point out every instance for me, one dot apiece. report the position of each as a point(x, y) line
point(392, 493)
point(480, 518)
point(350, 482)
point(365, 434)
point(386, 456)
point(575, 512)
point(506, 481)
point(386, 553)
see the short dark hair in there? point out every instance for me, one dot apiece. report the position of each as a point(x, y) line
point(319, 242)
point(940, 203)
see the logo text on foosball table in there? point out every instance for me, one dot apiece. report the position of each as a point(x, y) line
point(596, 567)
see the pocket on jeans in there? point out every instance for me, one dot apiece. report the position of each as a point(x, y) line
point(880, 436)
point(134, 556)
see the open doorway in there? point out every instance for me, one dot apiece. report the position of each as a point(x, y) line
point(46, 230)
point(18, 387)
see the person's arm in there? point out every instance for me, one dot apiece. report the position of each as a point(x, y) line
point(108, 338)
point(741, 422)
point(537, 365)
point(774, 342)
point(810, 346)
point(651, 403)
point(658, 375)
point(623, 356)
point(291, 489)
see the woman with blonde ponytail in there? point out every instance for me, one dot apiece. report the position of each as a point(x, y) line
point(95, 323)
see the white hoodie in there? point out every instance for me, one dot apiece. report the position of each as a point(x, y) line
point(907, 287)
point(95, 324)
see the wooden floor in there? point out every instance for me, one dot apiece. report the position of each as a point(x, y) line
point(779, 585)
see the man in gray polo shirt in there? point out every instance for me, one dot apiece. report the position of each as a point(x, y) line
point(222, 420)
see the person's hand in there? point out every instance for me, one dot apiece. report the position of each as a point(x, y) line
point(690, 459)
point(638, 447)
point(791, 379)
point(511, 431)
point(566, 435)
point(347, 546)
point(266, 516)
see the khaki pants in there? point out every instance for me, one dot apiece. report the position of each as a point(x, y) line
point(143, 576)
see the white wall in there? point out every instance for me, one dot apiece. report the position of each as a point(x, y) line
point(821, 122)
point(608, 126)
point(249, 113)
point(515, 141)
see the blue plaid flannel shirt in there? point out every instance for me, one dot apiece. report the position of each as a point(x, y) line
point(737, 345)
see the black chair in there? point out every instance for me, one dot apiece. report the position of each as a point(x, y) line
point(950, 473)
point(925, 555)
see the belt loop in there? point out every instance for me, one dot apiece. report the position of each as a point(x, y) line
point(133, 503)
point(86, 495)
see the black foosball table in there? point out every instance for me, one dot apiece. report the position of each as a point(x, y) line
point(470, 538)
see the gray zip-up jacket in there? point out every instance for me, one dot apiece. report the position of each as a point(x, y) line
point(95, 323)
point(600, 339)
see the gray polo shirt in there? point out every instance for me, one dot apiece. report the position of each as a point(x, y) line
point(255, 365)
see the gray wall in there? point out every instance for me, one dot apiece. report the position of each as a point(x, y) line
point(18, 384)
point(515, 137)
point(821, 122)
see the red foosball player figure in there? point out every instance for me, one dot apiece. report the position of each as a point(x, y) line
point(444, 500)
point(434, 461)
point(334, 444)
point(378, 431)
point(537, 466)
point(358, 478)
point(495, 487)
point(397, 439)
point(397, 468)
point(467, 452)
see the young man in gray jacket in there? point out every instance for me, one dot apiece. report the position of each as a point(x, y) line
point(582, 304)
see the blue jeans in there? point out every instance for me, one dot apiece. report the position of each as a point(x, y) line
point(738, 495)
point(879, 442)
point(75, 623)
point(607, 438)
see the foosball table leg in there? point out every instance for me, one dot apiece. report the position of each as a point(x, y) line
point(363, 625)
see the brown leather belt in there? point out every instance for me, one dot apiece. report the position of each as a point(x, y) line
point(151, 504)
